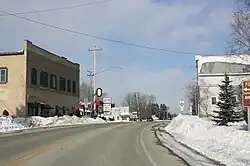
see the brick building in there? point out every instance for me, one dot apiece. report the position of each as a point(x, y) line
point(36, 82)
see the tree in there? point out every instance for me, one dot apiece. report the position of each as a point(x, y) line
point(190, 92)
point(241, 29)
point(203, 98)
point(226, 104)
point(138, 101)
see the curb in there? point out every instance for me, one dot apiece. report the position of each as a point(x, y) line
point(194, 150)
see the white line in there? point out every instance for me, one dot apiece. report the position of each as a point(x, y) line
point(145, 150)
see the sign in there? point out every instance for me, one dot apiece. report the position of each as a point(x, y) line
point(106, 107)
point(246, 86)
point(98, 92)
point(181, 105)
point(246, 93)
point(246, 99)
point(107, 100)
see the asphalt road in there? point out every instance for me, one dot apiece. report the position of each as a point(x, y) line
point(130, 144)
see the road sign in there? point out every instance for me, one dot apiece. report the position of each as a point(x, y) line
point(246, 86)
point(181, 105)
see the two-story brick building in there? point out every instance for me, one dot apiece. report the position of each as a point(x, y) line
point(36, 82)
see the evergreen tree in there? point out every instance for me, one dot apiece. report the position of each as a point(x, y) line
point(226, 104)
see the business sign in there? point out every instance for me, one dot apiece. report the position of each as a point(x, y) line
point(107, 100)
point(246, 93)
point(106, 107)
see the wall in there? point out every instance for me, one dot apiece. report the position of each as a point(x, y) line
point(41, 59)
point(13, 93)
point(211, 71)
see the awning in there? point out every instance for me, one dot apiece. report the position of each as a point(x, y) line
point(45, 105)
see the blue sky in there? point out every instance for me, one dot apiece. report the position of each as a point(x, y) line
point(199, 26)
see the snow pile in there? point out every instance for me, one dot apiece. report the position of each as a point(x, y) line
point(229, 145)
point(10, 124)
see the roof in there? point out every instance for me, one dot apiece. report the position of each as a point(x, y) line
point(12, 53)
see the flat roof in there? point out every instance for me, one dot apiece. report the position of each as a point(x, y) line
point(12, 53)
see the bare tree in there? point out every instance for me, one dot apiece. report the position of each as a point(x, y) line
point(240, 27)
point(190, 92)
point(204, 100)
point(144, 101)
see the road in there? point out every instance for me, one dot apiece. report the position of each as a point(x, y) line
point(90, 145)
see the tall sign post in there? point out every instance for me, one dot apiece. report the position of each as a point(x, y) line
point(246, 98)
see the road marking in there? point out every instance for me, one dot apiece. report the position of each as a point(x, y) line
point(145, 149)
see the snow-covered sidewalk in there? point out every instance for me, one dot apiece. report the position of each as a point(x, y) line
point(229, 145)
point(8, 124)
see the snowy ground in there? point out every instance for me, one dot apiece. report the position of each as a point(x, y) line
point(229, 145)
point(9, 124)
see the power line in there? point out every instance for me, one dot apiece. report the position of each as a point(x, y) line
point(57, 9)
point(101, 38)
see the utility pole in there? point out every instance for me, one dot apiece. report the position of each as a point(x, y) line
point(197, 96)
point(90, 75)
point(94, 50)
point(138, 105)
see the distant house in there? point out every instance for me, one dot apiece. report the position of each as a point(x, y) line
point(36, 82)
point(210, 72)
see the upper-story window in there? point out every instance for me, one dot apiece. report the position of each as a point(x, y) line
point(33, 76)
point(62, 84)
point(74, 87)
point(44, 82)
point(3, 75)
point(68, 85)
point(53, 81)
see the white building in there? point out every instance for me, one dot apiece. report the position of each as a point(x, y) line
point(210, 72)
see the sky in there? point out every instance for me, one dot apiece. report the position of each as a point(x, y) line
point(196, 26)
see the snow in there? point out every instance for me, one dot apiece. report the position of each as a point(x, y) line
point(229, 145)
point(9, 124)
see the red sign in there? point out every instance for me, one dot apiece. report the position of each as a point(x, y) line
point(246, 86)
point(246, 93)
point(246, 99)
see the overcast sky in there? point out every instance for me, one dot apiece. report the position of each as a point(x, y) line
point(199, 26)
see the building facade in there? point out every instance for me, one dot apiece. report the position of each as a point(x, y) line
point(36, 82)
point(210, 73)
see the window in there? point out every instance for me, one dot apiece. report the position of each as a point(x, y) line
point(234, 99)
point(44, 82)
point(214, 100)
point(3, 75)
point(74, 87)
point(62, 85)
point(68, 85)
point(33, 76)
point(53, 82)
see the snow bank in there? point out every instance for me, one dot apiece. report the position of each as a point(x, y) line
point(10, 124)
point(229, 145)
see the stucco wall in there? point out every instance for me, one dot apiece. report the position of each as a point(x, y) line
point(13, 93)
